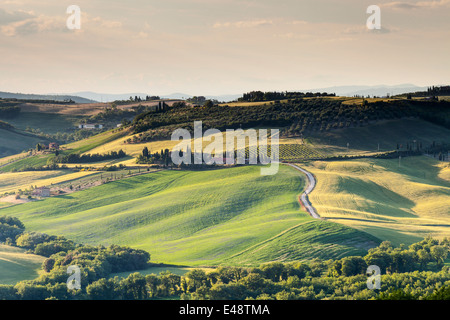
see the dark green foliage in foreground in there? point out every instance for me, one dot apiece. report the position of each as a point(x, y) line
point(95, 263)
point(407, 273)
point(10, 228)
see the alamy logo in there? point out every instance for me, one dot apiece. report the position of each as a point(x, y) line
point(74, 281)
point(374, 280)
point(74, 20)
point(213, 153)
point(374, 21)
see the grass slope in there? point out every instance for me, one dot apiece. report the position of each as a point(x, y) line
point(46, 122)
point(16, 265)
point(189, 218)
point(93, 142)
point(12, 142)
point(82, 146)
point(402, 203)
point(362, 141)
point(386, 134)
point(13, 181)
point(26, 162)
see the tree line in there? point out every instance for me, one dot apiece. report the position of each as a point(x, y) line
point(87, 158)
point(409, 272)
point(95, 263)
point(162, 157)
point(257, 96)
point(432, 91)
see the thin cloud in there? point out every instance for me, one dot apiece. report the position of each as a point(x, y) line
point(33, 25)
point(244, 24)
point(364, 30)
point(418, 5)
point(7, 17)
point(98, 21)
point(259, 23)
point(23, 23)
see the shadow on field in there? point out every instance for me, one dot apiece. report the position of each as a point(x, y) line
point(385, 201)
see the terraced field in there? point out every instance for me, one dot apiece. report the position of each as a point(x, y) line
point(288, 152)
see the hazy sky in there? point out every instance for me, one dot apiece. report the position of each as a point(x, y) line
point(206, 47)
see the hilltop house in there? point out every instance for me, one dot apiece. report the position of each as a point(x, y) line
point(42, 192)
point(53, 145)
point(90, 126)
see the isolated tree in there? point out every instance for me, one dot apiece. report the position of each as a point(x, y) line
point(209, 104)
point(352, 266)
point(152, 281)
point(145, 152)
point(102, 289)
point(195, 279)
point(424, 257)
point(133, 287)
point(439, 254)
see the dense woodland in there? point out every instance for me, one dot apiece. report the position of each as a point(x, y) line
point(257, 96)
point(295, 117)
point(407, 273)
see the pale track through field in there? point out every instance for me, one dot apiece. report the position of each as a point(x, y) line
point(303, 198)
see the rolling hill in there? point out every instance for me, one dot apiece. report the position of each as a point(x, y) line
point(17, 265)
point(24, 96)
point(401, 202)
point(235, 216)
point(197, 218)
point(13, 141)
point(380, 136)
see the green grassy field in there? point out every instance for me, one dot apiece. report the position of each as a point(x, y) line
point(157, 269)
point(402, 204)
point(32, 161)
point(16, 265)
point(13, 181)
point(191, 218)
point(93, 142)
point(79, 147)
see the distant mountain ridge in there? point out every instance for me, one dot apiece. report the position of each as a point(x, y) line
point(92, 97)
point(379, 90)
point(108, 97)
point(55, 97)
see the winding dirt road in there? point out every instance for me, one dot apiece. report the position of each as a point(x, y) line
point(304, 196)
